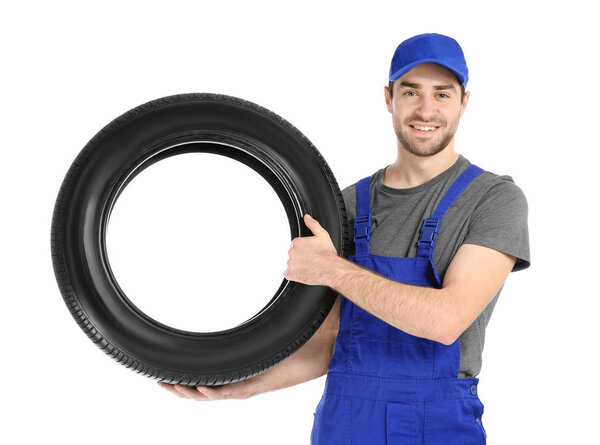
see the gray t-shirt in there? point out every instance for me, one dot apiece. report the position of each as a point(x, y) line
point(491, 212)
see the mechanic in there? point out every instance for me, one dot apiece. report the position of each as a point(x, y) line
point(435, 238)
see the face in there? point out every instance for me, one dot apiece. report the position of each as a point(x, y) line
point(426, 107)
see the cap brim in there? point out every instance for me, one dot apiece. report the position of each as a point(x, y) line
point(407, 68)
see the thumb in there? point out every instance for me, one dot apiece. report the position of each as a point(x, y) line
point(313, 225)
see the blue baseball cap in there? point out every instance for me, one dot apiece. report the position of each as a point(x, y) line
point(423, 48)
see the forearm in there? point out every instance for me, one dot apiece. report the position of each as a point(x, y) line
point(419, 311)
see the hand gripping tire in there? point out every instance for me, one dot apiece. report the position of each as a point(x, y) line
point(156, 130)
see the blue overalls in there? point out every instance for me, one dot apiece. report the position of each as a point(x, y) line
point(385, 386)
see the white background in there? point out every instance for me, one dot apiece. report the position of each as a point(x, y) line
point(69, 68)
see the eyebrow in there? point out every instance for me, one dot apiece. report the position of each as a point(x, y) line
point(435, 87)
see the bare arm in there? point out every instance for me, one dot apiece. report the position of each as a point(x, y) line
point(309, 362)
point(473, 278)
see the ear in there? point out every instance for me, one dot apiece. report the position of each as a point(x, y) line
point(463, 106)
point(388, 99)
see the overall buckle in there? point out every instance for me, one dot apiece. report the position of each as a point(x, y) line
point(362, 227)
point(429, 230)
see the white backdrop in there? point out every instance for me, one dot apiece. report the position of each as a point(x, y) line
point(69, 68)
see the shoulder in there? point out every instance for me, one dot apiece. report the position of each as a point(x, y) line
point(500, 191)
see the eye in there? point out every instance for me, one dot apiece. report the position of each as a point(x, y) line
point(443, 94)
point(410, 92)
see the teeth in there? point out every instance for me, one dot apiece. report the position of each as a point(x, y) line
point(424, 128)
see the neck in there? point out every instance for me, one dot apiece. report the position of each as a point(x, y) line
point(410, 170)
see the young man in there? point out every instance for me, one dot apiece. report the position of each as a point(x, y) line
point(435, 237)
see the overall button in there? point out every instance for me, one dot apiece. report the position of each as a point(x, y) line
point(473, 389)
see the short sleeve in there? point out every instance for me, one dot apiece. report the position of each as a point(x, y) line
point(500, 221)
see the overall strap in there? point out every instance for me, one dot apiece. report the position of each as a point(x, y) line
point(362, 223)
point(431, 225)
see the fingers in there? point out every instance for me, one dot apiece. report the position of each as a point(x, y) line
point(171, 389)
point(199, 393)
point(313, 225)
point(211, 393)
point(190, 393)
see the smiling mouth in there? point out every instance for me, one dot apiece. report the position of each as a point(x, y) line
point(423, 129)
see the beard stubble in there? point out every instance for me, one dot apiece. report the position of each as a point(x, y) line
point(423, 147)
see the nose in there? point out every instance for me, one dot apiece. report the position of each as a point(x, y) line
point(426, 108)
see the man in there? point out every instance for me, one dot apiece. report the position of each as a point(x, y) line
point(435, 237)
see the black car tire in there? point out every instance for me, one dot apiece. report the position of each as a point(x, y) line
point(165, 127)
